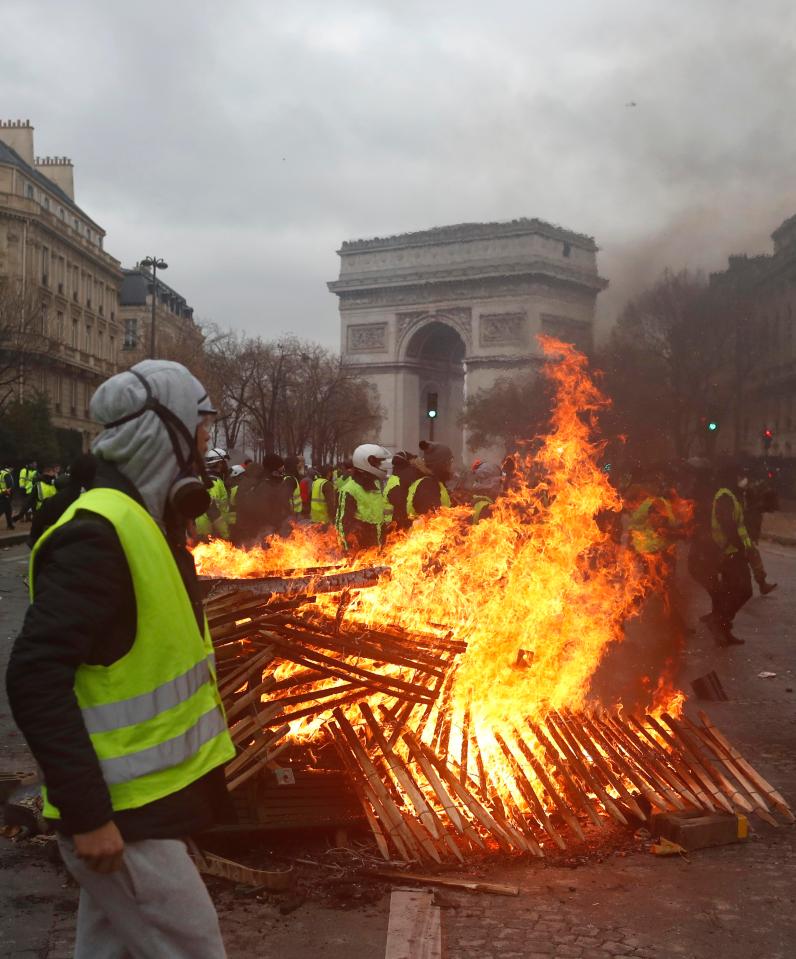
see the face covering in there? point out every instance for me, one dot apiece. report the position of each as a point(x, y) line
point(150, 415)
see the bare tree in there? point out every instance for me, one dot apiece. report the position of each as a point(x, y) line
point(23, 336)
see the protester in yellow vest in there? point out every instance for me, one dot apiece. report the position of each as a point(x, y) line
point(486, 489)
point(733, 584)
point(6, 495)
point(323, 503)
point(294, 471)
point(430, 493)
point(44, 486)
point(396, 490)
point(112, 679)
point(652, 525)
point(360, 505)
point(216, 521)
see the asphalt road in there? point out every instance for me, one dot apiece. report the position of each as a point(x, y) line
point(737, 902)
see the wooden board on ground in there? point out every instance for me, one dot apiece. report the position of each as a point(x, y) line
point(414, 930)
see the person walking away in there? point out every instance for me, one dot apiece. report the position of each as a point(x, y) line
point(733, 587)
point(405, 471)
point(757, 497)
point(112, 678)
point(429, 493)
point(323, 502)
point(486, 485)
point(263, 506)
point(294, 471)
point(360, 505)
point(7, 494)
point(215, 522)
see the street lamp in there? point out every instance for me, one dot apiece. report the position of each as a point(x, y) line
point(155, 264)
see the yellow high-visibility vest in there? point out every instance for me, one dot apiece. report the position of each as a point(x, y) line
point(444, 496)
point(155, 716)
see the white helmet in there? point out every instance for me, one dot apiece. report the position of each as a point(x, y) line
point(237, 471)
point(215, 455)
point(361, 460)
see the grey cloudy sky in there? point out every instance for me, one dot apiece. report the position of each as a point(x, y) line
point(243, 141)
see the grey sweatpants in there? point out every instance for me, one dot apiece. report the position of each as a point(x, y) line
point(155, 907)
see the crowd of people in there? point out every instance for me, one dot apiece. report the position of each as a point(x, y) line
point(718, 510)
point(364, 498)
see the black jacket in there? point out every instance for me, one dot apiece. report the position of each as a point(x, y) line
point(85, 612)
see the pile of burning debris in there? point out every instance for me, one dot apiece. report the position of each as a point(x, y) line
point(445, 683)
point(432, 785)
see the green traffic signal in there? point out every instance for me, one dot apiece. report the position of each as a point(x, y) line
point(712, 426)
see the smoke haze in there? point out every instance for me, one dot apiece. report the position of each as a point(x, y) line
point(243, 142)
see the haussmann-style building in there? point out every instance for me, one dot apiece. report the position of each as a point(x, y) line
point(434, 316)
point(52, 248)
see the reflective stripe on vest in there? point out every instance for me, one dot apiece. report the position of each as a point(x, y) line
point(389, 509)
point(154, 717)
point(319, 511)
point(738, 518)
point(445, 499)
point(370, 508)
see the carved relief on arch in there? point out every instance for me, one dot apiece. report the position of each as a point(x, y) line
point(459, 318)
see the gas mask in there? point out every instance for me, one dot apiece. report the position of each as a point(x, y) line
point(188, 495)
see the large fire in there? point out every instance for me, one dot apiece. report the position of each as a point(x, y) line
point(539, 591)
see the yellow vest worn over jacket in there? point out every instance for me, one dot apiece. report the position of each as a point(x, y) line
point(220, 525)
point(44, 491)
point(370, 509)
point(155, 716)
point(480, 503)
point(444, 497)
point(319, 511)
point(644, 537)
point(737, 514)
point(392, 482)
point(295, 499)
point(26, 479)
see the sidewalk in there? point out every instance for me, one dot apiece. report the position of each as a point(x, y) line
point(780, 528)
point(12, 537)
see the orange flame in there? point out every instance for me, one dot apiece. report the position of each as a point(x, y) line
point(539, 590)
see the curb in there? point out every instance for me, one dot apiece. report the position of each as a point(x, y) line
point(15, 539)
point(780, 540)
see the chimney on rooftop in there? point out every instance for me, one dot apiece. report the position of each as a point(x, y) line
point(18, 134)
point(60, 170)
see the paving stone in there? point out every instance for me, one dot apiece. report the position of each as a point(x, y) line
point(571, 952)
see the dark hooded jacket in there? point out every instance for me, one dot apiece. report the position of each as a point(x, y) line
point(85, 613)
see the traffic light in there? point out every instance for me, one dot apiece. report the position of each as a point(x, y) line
point(712, 426)
point(431, 406)
point(768, 439)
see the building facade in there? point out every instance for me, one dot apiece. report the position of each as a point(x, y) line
point(763, 367)
point(432, 317)
point(52, 251)
point(177, 337)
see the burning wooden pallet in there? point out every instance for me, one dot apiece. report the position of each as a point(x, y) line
point(434, 784)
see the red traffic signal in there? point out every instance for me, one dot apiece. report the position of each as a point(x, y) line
point(768, 438)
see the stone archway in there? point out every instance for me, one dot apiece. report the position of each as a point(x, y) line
point(434, 361)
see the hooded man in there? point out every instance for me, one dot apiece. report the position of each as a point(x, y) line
point(112, 679)
point(430, 493)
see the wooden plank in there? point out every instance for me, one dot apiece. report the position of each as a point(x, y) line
point(579, 797)
point(449, 882)
point(526, 789)
point(563, 809)
point(361, 787)
point(774, 797)
point(414, 930)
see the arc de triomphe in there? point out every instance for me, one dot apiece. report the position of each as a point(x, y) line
point(431, 317)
